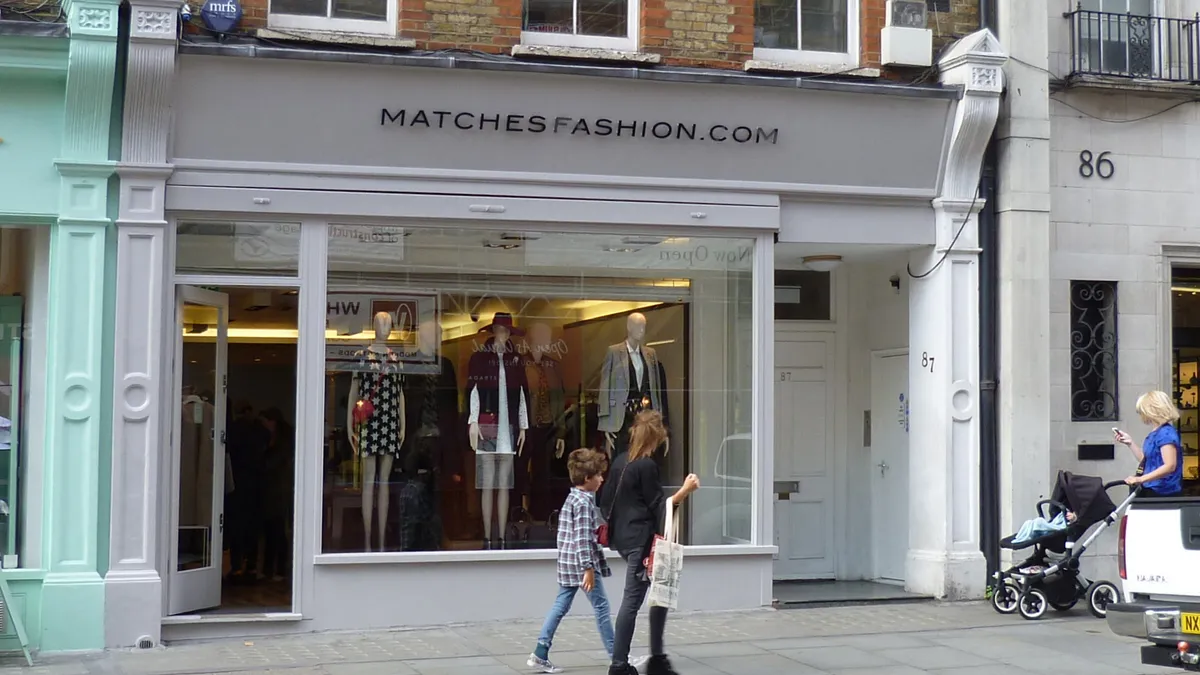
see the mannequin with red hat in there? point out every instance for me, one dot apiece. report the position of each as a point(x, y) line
point(498, 419)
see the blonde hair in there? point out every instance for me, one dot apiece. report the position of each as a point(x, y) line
point(1156, 407)
point(646, 434)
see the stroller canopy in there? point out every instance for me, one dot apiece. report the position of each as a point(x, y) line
point(1083, 495)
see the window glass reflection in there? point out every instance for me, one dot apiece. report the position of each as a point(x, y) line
point(463, 366)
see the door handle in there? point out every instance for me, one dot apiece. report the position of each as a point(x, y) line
point(883, 467)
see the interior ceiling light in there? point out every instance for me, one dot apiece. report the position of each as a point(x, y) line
point(524, 236)
point(621, 249)
point(822, 263)
point(505, 247)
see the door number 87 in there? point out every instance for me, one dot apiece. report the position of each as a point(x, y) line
point(927, 361)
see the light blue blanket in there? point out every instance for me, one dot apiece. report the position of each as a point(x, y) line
point(1032, 529)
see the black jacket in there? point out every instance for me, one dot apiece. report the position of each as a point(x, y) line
point(633, 505)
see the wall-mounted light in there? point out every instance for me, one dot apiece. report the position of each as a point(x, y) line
point(822, 263)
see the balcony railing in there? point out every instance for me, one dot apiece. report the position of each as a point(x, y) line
point(1131, 46)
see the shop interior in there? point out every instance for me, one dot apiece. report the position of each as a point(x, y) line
point(16, 268)
point(433, 498)
point(1185, 371)
point(257, 479)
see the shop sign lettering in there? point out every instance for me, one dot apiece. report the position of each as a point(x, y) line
point(599, 127)
point(684, 255)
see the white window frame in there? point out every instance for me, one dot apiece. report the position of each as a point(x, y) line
point(386, 27)
point(848, 59)
point(628, 43)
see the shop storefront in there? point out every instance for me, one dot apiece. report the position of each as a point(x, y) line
point(55, 170)
point(325, 232)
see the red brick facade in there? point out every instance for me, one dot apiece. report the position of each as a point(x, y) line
point(695, 33)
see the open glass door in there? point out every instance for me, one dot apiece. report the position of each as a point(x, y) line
point(201, 353)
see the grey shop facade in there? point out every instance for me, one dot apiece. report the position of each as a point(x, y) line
point(291, 220)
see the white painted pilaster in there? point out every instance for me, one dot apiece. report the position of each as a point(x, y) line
point(944, 559)
point(133, 584)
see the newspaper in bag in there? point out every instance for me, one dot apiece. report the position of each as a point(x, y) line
point(666, 563)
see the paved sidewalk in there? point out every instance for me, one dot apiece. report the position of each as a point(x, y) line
point(901, 639)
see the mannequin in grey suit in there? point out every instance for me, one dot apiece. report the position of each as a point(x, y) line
point(631, 379)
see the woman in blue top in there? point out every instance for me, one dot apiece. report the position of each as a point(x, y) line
point(1163, 472)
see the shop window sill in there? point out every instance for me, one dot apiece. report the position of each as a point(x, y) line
point(585, 54)
point(765, 66)
point(334, 38)
point(512, 556)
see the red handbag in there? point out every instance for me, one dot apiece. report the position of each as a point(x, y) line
point(363, 407)
point(489, 426)
point(602, 534)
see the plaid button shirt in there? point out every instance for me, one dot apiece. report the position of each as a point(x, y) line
point(578, 550)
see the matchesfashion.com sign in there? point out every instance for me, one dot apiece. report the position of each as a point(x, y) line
point(601, 127)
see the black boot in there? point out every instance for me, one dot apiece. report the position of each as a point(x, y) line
point(659, 665)
point(622, 669)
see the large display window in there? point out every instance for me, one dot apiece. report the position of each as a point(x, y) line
point(463, 365)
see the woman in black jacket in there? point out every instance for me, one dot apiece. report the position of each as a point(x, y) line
point(633, 502)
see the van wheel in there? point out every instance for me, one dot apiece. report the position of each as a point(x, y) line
point(1033, 604)
point(1100, 595)
point(1005, 597)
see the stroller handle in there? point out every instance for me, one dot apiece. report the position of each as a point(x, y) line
point(1061, 507)
point(1120, 483)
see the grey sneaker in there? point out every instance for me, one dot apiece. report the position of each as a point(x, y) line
point(542, 665)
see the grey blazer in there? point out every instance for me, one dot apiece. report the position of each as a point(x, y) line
point(614, 385)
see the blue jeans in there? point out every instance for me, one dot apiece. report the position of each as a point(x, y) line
point(562, 605)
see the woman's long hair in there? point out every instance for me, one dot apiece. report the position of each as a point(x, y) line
point(646, 434)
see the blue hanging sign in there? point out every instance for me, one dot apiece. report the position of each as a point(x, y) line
point(221, 16)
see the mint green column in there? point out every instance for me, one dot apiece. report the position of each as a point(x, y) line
point(73, 594)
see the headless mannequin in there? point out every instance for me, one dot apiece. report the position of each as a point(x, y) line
point(635, 334)
point(499, 496)
point(373, 462)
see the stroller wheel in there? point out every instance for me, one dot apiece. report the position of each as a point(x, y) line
point(1100, 595)
point(1005, 597)
point(1032, 604)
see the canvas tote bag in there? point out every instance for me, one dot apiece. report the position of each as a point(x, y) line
point(666, 562)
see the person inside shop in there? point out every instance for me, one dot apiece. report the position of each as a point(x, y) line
point(278, 497)
point(633, 502)
point(246, 443)
point(1159, 458)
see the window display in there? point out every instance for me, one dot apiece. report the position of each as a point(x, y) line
point(464, 365)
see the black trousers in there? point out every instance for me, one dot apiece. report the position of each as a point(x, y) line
point(636, 586)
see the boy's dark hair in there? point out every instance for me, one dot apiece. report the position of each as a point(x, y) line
point(584, 463)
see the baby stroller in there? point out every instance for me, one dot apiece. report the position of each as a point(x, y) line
point(1050, 577)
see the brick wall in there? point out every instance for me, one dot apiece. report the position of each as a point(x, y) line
point(696, 33)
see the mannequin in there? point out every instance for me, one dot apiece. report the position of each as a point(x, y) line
point(496, 382)
point(547, 424)
point(430, 412)
point(631, 380)
point(377, 439)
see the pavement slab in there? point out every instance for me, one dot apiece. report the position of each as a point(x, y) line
point(919, 638)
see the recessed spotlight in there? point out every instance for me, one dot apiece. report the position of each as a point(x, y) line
point(505, 247)
point(621, 249)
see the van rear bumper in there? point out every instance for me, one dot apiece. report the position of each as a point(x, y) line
point(1158, 622)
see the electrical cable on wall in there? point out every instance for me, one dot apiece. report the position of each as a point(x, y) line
point(946, 253)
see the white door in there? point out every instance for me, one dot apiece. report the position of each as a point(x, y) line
point(889, 463)
point(198, 443)
point(804, 438)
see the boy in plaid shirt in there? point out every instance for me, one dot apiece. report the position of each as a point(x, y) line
point(580, 558)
